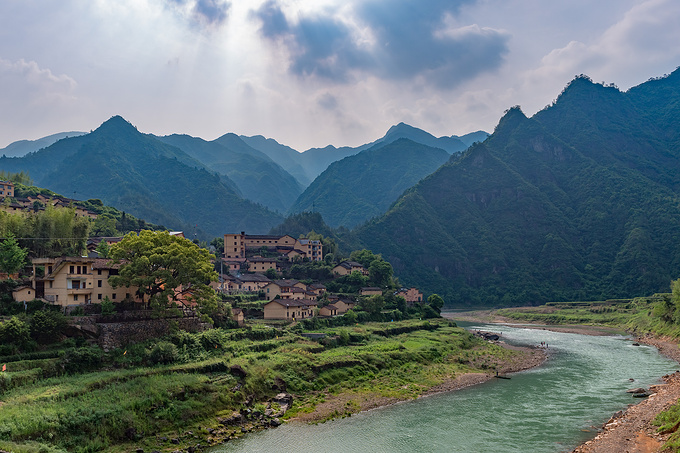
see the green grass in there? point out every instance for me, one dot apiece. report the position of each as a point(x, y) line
point(128, 404)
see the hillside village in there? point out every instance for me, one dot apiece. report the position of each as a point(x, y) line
point(259, 277)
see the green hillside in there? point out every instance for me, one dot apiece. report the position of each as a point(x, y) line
point(579, 202)
point(359, 187)
point(255, 175)
point(145, 177)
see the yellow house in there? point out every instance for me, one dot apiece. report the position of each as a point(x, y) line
point(343, 306)
point(412, 295)
point(23, 294)
point(311, 249)
point(235, 245)
point(370, 291)
point(260, 264)
point(328, 310)
point(289, 309)
point(78, 280)
point(238, 316)
point(284, 289)
point(6, 189)
point(347, 267)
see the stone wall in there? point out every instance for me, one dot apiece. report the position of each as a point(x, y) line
point(116, 334)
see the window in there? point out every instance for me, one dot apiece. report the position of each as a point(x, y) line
point(99, 283)
point(99, 296)
point(113, 296)
point(99, 272)
point(75, 297)
point(127, 295)
point(50, 284)
point(71, 269)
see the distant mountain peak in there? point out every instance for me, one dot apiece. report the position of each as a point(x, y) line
point(117, 124)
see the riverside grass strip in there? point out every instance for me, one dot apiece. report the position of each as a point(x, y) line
point(126, 404)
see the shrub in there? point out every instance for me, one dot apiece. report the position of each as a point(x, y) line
point(15, 332)
point(47, 326)
point(163, 352)
point(81, 359)
point(107, 307)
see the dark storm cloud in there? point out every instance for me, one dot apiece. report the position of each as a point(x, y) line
point(320, 45)
point(206, 12)
point(410, 40)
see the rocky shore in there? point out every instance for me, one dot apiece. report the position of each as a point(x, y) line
point(631, 430)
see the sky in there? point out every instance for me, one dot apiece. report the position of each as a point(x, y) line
point(310, 73)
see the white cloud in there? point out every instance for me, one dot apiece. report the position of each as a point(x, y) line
point(339, 72)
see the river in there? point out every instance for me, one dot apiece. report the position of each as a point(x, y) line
point(552, 408)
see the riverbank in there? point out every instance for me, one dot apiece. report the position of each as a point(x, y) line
point(350, 401)
point(631, 430)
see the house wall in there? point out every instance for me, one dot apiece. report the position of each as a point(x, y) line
point(24, 295)
point(273, 310)
point(6, 189)
point(234, 245)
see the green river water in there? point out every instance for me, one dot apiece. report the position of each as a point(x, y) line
point(552, 408)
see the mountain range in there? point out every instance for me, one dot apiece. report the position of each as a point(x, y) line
point(209, 188)
point(579, 202)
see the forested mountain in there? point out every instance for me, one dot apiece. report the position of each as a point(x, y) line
point(23, 147)
point(145, 177)
point(257, 177)
point(356, 188)
point(314, 161)
point(579, 202)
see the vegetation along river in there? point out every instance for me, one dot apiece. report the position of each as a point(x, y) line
point(552, 408)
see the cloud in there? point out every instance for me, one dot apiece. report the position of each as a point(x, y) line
point(639, 39)
point(391, 40)
point(27, 80)
point(204, 12)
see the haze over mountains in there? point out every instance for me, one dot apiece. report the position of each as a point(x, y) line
point(176, 180)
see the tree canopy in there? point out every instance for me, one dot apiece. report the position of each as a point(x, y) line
point(12, 257)
point(169, 270)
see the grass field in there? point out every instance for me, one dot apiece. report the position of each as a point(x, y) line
point(171, 393)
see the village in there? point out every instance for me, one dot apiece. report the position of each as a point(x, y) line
point(252, 268)
point(71, 282)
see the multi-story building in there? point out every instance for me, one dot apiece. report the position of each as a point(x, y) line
point(6, 189)
point(236, 245)
point(77, 280)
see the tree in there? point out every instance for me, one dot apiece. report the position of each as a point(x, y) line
point(271, 273)
point(364, 257)
point(436, 302)
point(373, 304)
point(170, 270)
point(380, 272)
point(12, 256)
point(103, 249)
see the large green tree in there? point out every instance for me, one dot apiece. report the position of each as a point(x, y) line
point(12, 257)
point(169, 270)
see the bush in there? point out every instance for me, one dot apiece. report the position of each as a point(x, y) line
point(163, 352)
point(81, 359)
point(15, 332)
point(47, 326)
point(107, 307)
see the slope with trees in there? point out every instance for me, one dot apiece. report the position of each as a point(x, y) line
point(578, 203)
point(362, 186)
point(141, 175)
point(257, 177)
